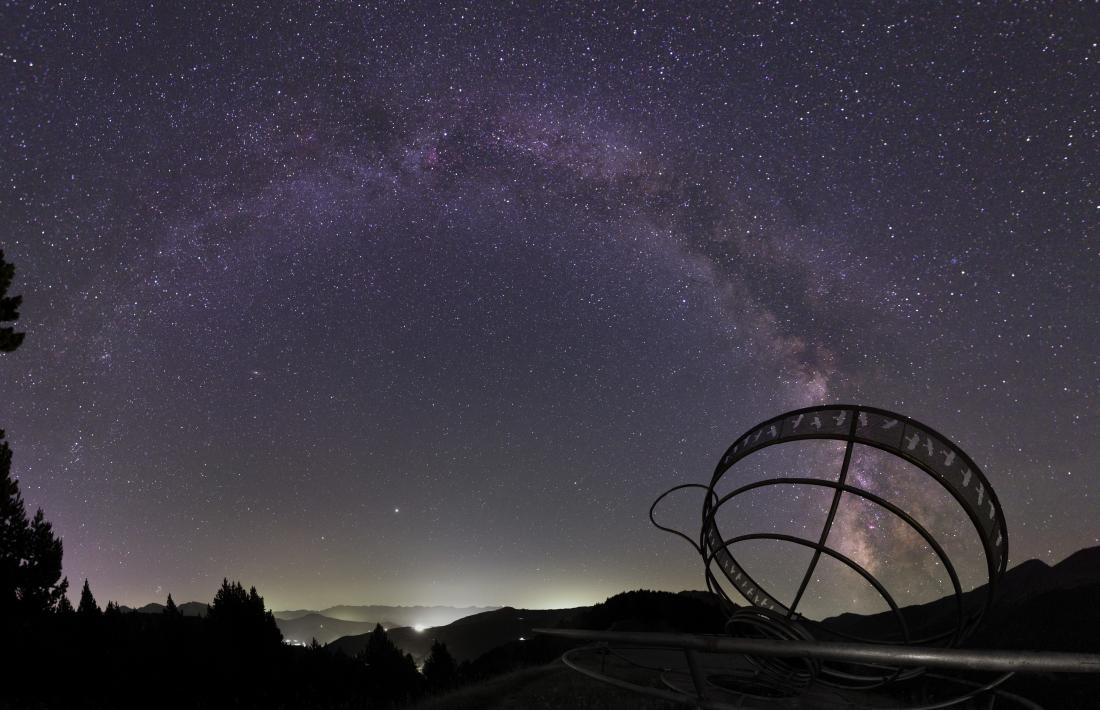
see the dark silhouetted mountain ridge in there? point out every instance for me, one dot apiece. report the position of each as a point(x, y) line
point(1020, 586)
point(389, 616)
point(472, 636)
point(186, 609)
point(468, 637)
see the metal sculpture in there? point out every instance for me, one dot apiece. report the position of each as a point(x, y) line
point(793, 661)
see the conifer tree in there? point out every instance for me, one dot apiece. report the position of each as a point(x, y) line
point(378, 648)
point(13, 523)
point(439, 669)
point(241, 617)
point(392, 675)
point(30, 555)
point(9, 308)
point(43, 586)
point(170, 608)
point(87, 607)
point(65, 607)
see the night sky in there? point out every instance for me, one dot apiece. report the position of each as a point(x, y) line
point(425, 305)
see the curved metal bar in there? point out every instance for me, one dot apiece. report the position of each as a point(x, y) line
point(709, 511)
point(1011, 697)
point(895, 510)
point(924, 640)
point(855, 681)
point(616, 653)
point(850, 563)
point(714, 588)
point(661, 497)
point(855, 409)
point(960, 698)
point(791, 675)
point(716, 687)
point(865, 681)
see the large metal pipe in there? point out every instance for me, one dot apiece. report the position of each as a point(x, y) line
point(990, 660)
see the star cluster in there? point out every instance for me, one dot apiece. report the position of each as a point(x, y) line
point(425, 304)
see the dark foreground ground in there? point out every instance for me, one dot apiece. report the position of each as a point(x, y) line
point(556, 687)
point(549, 687)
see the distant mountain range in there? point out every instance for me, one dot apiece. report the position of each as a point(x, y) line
point(327, 625)
point(466, 638)
point(470, 637)
point(323, 629)
point(1066, 595)
point(304, 625)
point(187, 608)
point(390, 616)
point(1038, 606)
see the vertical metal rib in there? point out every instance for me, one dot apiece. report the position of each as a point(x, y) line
point(832, 514)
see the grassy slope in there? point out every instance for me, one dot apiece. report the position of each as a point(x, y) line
point(549, 687)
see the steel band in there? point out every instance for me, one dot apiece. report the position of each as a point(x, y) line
point(901, 436)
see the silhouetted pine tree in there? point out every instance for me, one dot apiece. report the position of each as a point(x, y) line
point(241, 616)
point(230, 603)
point(30, 555)
point(65, 607)
point(87, 607)
point(112, 610)
point(170, 608)
point(440, 671)
point(9, 308)
point(391, 675)
point(43, 586)
point(13, 522)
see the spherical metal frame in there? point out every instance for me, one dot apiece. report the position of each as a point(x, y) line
point(914, 442)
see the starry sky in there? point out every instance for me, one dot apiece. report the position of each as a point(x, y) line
point(425, 304)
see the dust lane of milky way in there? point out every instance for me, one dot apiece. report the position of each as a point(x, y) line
point(426, 305)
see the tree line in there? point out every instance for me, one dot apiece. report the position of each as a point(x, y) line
point(233, 655)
